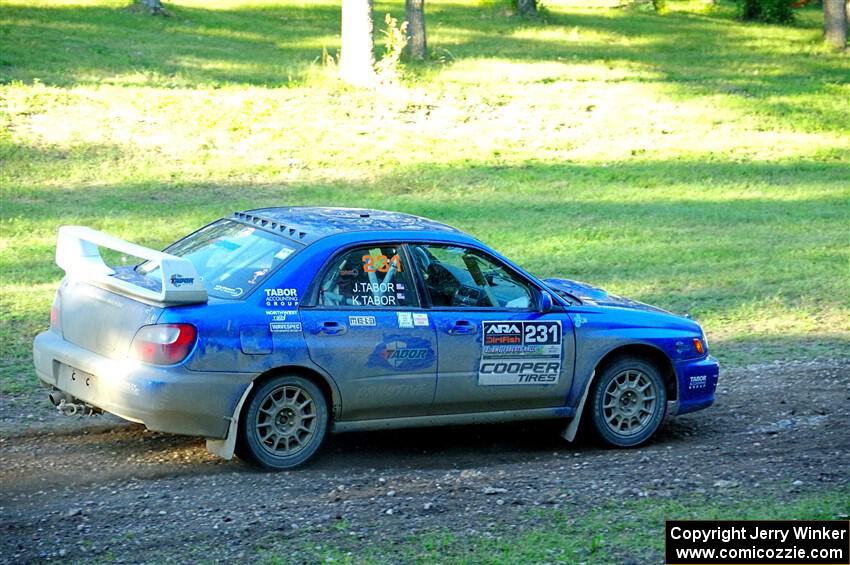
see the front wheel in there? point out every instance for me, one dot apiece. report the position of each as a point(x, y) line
point(284, 424)
point(628, 402)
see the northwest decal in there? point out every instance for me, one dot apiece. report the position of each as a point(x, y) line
point(521, 353)
point(402, 353)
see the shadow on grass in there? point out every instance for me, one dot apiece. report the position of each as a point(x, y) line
point(275, 45)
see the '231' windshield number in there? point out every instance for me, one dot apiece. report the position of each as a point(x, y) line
point(380, 263)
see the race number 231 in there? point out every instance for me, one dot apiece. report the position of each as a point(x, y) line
point(380, 263)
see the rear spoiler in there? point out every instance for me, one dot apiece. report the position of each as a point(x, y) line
point(78, 253)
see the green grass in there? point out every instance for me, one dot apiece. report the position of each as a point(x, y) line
point(688, 160)
point(631, 532)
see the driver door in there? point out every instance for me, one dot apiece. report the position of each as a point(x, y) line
point(496, 352)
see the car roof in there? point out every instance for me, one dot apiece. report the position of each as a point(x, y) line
point(308, 224)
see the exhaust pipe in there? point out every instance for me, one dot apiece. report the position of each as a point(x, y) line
point(57, 397)
point(70, 406)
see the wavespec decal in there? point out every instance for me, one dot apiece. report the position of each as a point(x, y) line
point(285, 297)
point(420, 319)
point(405, 320)
point(361, 320)
point(285, 327)
point(402, 353)
point(521, 353)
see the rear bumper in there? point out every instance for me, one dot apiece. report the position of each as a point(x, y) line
point(697, 384)
point(165, 399)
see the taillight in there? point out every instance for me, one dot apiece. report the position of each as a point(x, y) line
point(163, 344)
point(54, 314)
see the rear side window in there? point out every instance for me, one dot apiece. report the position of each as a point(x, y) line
point(368, 277)
point(232, 258)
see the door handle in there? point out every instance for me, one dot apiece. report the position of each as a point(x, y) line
point(332, 328)
point(462, 327)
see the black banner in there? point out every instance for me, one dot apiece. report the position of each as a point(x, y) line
point(757, 542)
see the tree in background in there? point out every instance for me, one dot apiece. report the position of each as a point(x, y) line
point(356, 60)
point(835, 23)
point(526, 7)
point(155, 6)
point(417, 44)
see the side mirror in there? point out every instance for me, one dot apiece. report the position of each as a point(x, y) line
point(544, 302)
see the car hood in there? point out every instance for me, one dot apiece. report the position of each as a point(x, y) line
point(590, 294)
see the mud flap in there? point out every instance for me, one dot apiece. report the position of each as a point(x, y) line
point(224, 448)
point(571, 430)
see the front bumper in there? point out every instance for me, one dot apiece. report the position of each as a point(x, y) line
point(165, 399)
point(697, 383)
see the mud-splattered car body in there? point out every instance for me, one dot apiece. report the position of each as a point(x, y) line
point(397, 320)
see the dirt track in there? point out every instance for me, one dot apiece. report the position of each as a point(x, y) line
point(100, 488)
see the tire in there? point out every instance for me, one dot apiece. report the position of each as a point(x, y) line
point(628, 402)
point(284, 425)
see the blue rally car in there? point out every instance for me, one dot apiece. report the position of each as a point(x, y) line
point(264, 331)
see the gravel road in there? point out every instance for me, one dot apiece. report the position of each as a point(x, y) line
point(101, 489)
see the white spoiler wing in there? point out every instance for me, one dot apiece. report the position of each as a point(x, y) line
point(78, 253)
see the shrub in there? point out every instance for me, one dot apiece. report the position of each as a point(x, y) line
point(771, 11)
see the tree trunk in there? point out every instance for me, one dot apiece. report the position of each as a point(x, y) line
point(835, 23)
point(527, 7)
point(417, 44)
point(356, 59)
point(155, 6)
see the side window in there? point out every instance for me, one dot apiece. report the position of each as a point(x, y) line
point(457, 276)
point(369, 277)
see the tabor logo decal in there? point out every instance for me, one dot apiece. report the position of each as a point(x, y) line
point(286, 297)
point(180, 280)
point(698, 381)
point(403, 354)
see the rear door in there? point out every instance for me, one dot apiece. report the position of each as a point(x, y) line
point(496, 351)
point(368, 332)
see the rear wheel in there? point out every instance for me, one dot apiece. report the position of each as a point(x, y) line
point(284, 424)
point(628, 402)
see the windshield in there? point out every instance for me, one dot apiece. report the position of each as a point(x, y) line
point(232, 258)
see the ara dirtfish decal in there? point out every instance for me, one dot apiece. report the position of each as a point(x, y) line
point(521, 353)
point(402, 353)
